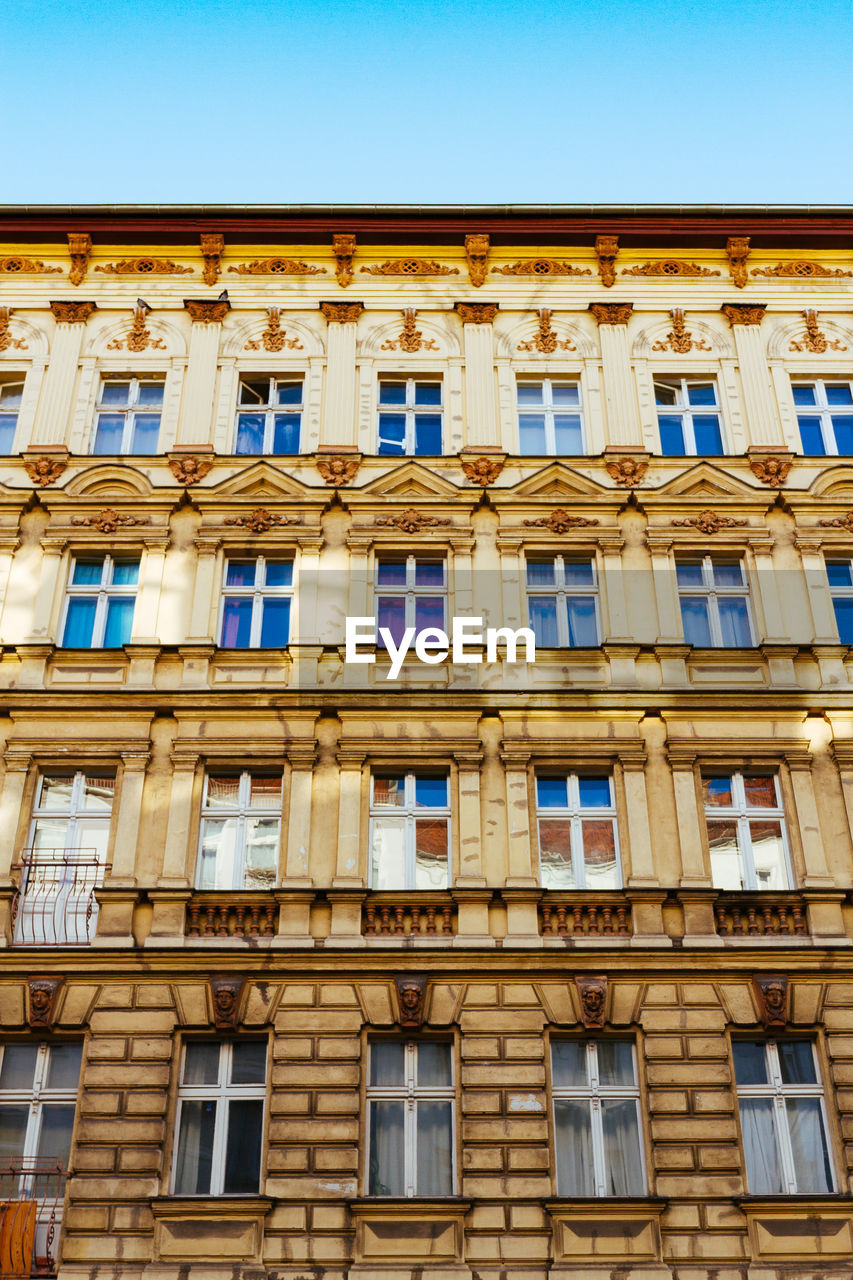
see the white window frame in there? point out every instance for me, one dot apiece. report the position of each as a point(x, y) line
point(76, 812)
point(742, 815)
point(6, 381)
point(777, 1091)
point(38, 1097)
point(410, 591)
point(410, 1093)
point(685, 410)
point(105, 591)
point(408, 812)
point(270, 412)
point(258, 592)
point(836, 592)
point(410, 409)
point(130, 410)
point(548, 410)
point(575, 814)
point(822, 410)
point(594, 1092)
point(242, 813)
point(561, 591)
point(712, 591)
point(222, 1093)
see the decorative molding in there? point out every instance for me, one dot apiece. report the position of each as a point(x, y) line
point(802, 270)
point(6, 339)
point(410, 339)
point(814, 339)
point(342, 312)
point(338, 468)
point(737, 252)
point(410, 267)
point(41, 1006)
point(627, 472)
point(212, 249)
point(261, 520)
point(79, 248)
point(843, 522)
point(476, 312)
point(109, 520)
point(612, 312)
point(670, 267)
point(343, 247)
point(14, 266)
point(190, 469)
point(483, 471)
point(559, 521)
point(709, 522)
point(679, 338)
point(477, 257)
point(274, 338)
point(772, 470)
point(743, 312)
point(541, 267)
point(771, 996)
point(546, 339)
point(606, 249)
point(226, 992)
point(411, 998)
point(207, 310)
point(592, 993)
point(144, 267)
point(44, 470)
point(139, 338)
point(410, 521)
point(72, 312)
point(277, 267)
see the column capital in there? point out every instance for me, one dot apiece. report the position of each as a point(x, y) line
point(342, 312)
point(72, 312)
point(612, 312)
point(476, 312)
point(135, 761)
point(208, 311)
point(747, 313)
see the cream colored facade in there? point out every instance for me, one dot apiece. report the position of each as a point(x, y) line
point(755, 303)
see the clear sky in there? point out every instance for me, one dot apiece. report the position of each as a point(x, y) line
point(547, 101)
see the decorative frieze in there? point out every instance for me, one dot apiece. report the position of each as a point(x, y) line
point(188, 469)
point(44, 470)
point(410, 267)
point(477, 258)
point(745, 313)
point(208, 311)
point(72, 312)
point(606, 250)
point(483, 471)
point(670, 267)
point(737, 252)
point(212, 249)
point(139, 338)
point(771, 471)
point(342, 312)
point(261, 520)
point(17, 266)
point(802, 270)
point(679, 338)
point(109, 520)
point(840, 522)
point(611, 312)
point(7, 342)
point(338, 469)
point(709, 522)
point(79, 249)
point(814, 339)
point(541, 267)
point(411, 338)
point(546, 339)
point(559, 521)
point(410, 521)
point(627, 472)
point(144, 267)
point(343, 248)
point(476, 312)
point(274, 338)
point(277, 267)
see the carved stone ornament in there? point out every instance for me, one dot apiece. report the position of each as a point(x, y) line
point(802, 270)
point(15, 266)
point(592, 994)
point(559, 521)
point(260, 520)
point(144, 267)
point(72, 312)
point(342, 312)
point(737, 252)
point(541, 267)
point(771, 995)
point(612, 312)
point(670, 267)
point(208, 310)
point(411, 338)
point(606, 249)
point(410, 521)
point(343, 247)
point(274, 338)
point(842, 522)
point(476, 312)
point(109, 520)
point(43, 993)
point(277, 267)
point(483, 471)
point(546, 339)
point(411, 267)
point(6, 339)
point(679, 338)
point(814, 339)
point(627, 472)
point(190, 470)
point(338, 469)
point(44, 470)
point(743, 312)
point(411, 999)
point(477, 257)
point(772, 471)
point(79, 247)
point(225, 996)
point(709, 522)
point(212, 249)
point(139, 338)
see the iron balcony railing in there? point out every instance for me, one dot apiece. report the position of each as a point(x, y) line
point(55, 904)
point(32, 1193)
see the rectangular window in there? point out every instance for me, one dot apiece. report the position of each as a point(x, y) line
point(410, 416)
point(220, 1122)
point(410, 1104)
point(714, 599)
point(269, 415)
point(688, 417)
point(11, 396)
point(596, 1118)
point(240, 831)
point(840, 575)
point(562, 602)
point(99, 603)
point(549, 417)
point(746, 831)
point(411, 591)
point(782, 1119)
point(825, 416)
point(578, 842)
point(257, 598)
point(409, 831)
point(128, 415)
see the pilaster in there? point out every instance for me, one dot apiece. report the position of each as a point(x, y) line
point(620, 397)
point(338, 426)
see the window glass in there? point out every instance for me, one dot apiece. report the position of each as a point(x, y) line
point(18, 1067)
point(63, 1066)
point(750, 1061)
point(201, 1062)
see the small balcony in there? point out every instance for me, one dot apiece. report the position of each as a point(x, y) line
point(54, 904)
point(243, 916)
point(761, 915)
point(32, 1193)
point(408, 917)
point(583, 915)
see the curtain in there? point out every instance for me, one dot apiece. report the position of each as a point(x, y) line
point(243, 1147)
point(622, 1159)
point(387, 1148)
point(763, 1170)
point(581, 615)
point(195, 1148)
point(808, 1141)
point(434, 1145)
point(79, 623)
point(574, 1148)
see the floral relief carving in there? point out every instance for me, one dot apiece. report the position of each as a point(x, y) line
point(611, 312)
point(771, 993)
point(592, 993)
point(606, 249)
point(743, 312)
point(737, 252)
point(109, 520)
point(261, 520)
point(546, 339)
point(476, 312)
point(343, 247)
point(72, 312)
point(212, 249)
point(14, 266)
point(559, 521)
point(679, 338)
point(6, 339)
point(207, 310)
point(274, 338)
point(139, 338)
point(709, 522)
point(541, 267)
point(44, 470)
point(225, 997)
point(411, 339)
point(842, 522)
point(802, 270)
point(411, 999)
point(410, 521)
point(772, 471)
point(814, 339)
point(190, 470)
point(144, 267)
point(278, 267)
point(411, 267)
point(79, 248)
point(482, 470)
point(627, 472)
point(670, 267)
point(43, 998)
point(342, 312)
point(338, 469)
point(477, 257)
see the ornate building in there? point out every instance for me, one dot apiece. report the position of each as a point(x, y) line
point(504, 968)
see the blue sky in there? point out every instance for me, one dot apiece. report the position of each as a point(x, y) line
point(548, 101)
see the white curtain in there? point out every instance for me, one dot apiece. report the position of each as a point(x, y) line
point(387, 1148)
point(763, 1170)
point(435, 1133)
point(623, 1162)
point(195, 1148)
point(811, 1161)
point(575, 1176)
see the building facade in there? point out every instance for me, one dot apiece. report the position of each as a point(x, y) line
point(495, 968)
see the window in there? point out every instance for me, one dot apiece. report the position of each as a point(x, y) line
point(269, 415)
point(410, 592)
point(688, 417)
point(781, 1117)
point(825, 416)
point(240, 829)
point(840, 575)
point(562, 602)
point(256, 604)
point(410, 1108)
point(128, 417)
point(549, 417)
point(220, 1118)
point(578, 847)
point(38, 1093)
point(99, 603)
point(11, 395)
point(409, 831)
point(409, 416)
point(714, 602)
point(596, 1118)
point(746, 831)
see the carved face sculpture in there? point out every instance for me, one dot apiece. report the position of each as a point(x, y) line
point(593, 999)
point(774, 999)
point(410, 1000)
point(224, 999)
point(40, 997)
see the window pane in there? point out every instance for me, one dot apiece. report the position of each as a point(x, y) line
point(63, 1069)
point(580, 611)
point(222, 792)
point(146, 430)
point(119, 622)
point(579, 573)
point(429, 612)
point(734, 622)
point(750, 1059)
point(265, 793)
point(108, 433)
point(388, 853)
point(531, 433)
point(594, 792)
point(115, 392)
point(727, 573)
point(386, 1175)
point(552, 793)
point(388, 790)
point(434, 1065)
point(796, 1062)
point(623, 1162)
point(565, 393)
point(599, 854)
point(694, 615)
point(838, 573)
point(13, 1131)
point(11, 395)
point(575, 1176)
point(201, 1062)
point(286, 433)
point(568, 1064)
point(243, 1147)
point(671, 434)
point(125, 573)
point(240, 573)
point(250, 433)
point(98, 793)
point(665, 394)
point(429, 573)
point(843, 428)
point(804, 395)
point(530, 393)
point(79, 623)
point(431, 853)
point(392, 393)
point(718, 792)
point(428, 433)
point(87, 573)
point(150, 393)
point(555, 853)
point(541, 573)
point(427, 393)
point(726, 871)
point(262, 840)
point(236, 623)
point(7, 432)
point(289, 393)
point(391, 573)
point(56, 791)
point(19, 1066)
point(195, 1148)
point(811, 437)
point(616, 1063)
point(430, 793)
point(392, 432)
point(763, 1168)
point(275, 624)
point(838, 393)
point(390, 615)
point(254, 391)
point(279, 573)
point(55, 1134)
point(760, 791)
point(707, 434)
point(387, 1063)
point(808, 1142)
point(701, 393)
point(218, 853)
point(568, 437)
point(688, 573)
point(542, 614)
point(435, 1141)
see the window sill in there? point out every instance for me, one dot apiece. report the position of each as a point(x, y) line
point(178, 1206)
